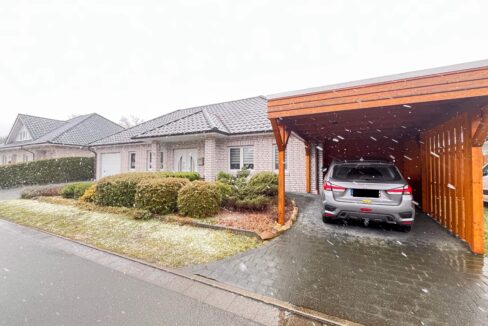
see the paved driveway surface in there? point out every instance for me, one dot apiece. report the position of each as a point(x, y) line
point(7, 194)
point(368, 275)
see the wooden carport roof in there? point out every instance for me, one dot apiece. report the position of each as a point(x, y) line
point(393, 110)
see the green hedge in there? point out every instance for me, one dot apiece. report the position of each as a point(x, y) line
point(75, 190)
point(120, 190)
point(199, 199)
point(159, 196)
point(61, 170)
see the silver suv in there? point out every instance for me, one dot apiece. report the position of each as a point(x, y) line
point(367, 191)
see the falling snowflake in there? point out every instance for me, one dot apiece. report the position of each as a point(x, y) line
point(335, 140)
point(373, 138)
point(450, 186)
point(242, 267)
point(415, 203)
point(407, 106)
point(407, 157)
point(394, 140)
point(434, 154)
point(425, 290)
point(404, 254)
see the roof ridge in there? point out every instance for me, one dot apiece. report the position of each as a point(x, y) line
point(206, 115)
point(36, 116)
point(225, 102)
point(168, 123)
point(214, 127)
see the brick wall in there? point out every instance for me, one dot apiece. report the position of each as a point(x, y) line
point(44, 153)
point(216, 152)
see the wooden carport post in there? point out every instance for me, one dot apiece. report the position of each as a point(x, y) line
point(308, 173)
point(475, 229)
point(282, 134)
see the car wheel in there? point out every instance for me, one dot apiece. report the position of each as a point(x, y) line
point(406, 228)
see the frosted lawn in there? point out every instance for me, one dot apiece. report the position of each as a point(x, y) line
point(161, 243)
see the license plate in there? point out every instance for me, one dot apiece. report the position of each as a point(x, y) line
point(366, 201)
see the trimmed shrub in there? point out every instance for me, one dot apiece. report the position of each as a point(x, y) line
point(60, 170)
point(75, 190)
point(141, 214)
point(226, 192)
point(263, 183)
point(89, 194)
point(120, 190)
point(253, 203)
point(241, 193)
point(38, 191)
point(159, 196)
point(199, 199)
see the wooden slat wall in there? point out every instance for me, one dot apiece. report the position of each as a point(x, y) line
point(448, 171)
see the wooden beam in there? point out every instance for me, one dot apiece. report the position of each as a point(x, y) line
point(387, 86)
point(390, 101)
point(282, 134)
point(481, 132)
point(476, 226)
point(307, 167)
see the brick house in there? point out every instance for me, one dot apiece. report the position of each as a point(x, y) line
point(36, 138)
point(206, 139)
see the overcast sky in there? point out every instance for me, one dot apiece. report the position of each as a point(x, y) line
point(147, 58)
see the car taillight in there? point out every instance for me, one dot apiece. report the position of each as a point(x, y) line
point(405, 190)
point(330, 187)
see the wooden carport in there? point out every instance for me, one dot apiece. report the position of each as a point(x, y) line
point(432, 123)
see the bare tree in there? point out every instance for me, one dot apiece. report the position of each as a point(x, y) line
point(130, 121)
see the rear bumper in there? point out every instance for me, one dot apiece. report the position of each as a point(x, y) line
point(403, 214)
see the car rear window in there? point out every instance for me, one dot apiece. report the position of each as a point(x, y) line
point(363, 172)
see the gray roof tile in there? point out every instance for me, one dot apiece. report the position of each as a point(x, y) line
point(234, 117)
point(80, 130)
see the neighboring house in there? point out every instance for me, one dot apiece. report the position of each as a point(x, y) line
point(207, 139)
point(35, 138)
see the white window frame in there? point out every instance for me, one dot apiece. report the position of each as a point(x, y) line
point(25, 158)
point(241, 157)
point(130, 161)
point(4, 159)
point(276, 158)
point(149, 160)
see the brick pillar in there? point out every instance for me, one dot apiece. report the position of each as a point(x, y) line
point(210, 163)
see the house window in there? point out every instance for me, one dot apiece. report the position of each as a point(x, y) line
point(241, 157)
point(25, 158)
point(14, 158)
point(149, 161)
point(161, 160)
point(132, 161)
point(276, 158)
point(4, 159)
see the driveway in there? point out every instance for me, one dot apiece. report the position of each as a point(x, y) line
point(374, 276)
point(7, 194)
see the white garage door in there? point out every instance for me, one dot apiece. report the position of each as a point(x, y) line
point(110, 164)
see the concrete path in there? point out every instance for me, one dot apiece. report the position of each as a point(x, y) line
point(373, 275)
point(46, 280)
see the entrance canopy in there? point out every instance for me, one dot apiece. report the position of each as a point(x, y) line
point(431, 123)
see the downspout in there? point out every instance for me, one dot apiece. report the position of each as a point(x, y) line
point(96, 160)
point(33, 154)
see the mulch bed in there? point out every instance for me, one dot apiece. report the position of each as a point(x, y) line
point(261, 223)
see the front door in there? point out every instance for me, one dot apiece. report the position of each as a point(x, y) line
point(185, 160)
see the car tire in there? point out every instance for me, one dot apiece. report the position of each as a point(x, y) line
point(406, 228)
point(327, 220)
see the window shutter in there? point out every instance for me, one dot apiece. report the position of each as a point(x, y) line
point(235, 158)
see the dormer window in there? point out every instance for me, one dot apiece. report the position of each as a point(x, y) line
point(23, 135)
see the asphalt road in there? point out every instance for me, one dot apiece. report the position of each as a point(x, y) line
point(42, 285)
